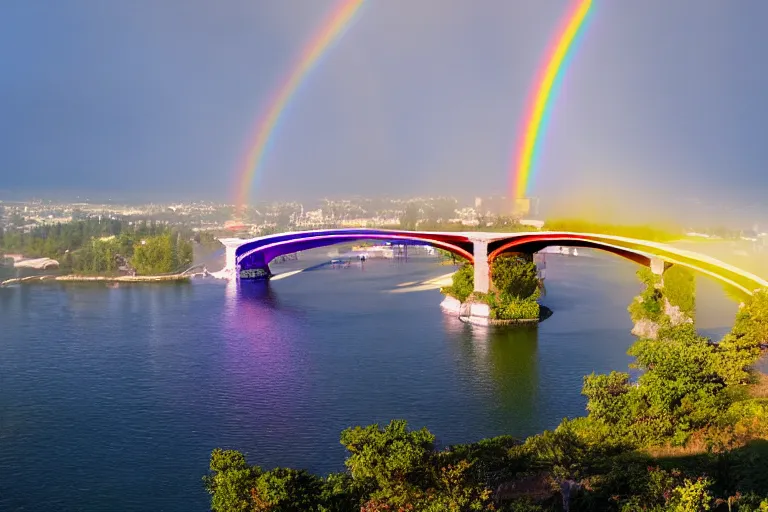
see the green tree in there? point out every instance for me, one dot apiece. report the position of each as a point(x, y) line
point(184, 253)
point(287, 490)
point(463, 283)
point(741, 347)
point(155, 255)
point(514, 278)
point(231, 481)
point(393, 460)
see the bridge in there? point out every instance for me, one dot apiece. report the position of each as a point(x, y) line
point(249, 259)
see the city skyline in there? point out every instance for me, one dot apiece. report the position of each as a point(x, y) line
point(661, 102)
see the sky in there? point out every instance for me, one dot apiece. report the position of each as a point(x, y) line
point(662, 108)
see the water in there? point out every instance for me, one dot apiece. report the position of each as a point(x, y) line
point(112, 399)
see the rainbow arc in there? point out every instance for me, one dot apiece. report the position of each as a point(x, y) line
point(330, 31)
point(544, 92)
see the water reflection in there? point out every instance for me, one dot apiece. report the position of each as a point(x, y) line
point(263, 355)
point(513, 363)
point(506, 362)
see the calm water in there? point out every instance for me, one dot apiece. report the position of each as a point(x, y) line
point(112, 399)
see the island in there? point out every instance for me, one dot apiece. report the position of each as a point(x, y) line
point(513, 299)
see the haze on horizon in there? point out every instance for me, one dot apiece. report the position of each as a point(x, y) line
point(660, 111)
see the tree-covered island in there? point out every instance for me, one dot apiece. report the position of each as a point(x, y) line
point(107, 247)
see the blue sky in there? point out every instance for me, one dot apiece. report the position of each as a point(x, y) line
point(664, 102)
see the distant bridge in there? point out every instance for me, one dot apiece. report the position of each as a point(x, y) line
point(249, 259)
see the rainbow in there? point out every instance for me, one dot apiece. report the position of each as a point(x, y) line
point(535, 121)
point(338, 20)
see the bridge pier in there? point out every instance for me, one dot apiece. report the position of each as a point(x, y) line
point(659, 266)
point(482, 269)
point(230, 261)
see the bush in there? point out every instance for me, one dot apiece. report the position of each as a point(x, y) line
point(463, 283)
point(649, 304)
point(680, 289)
point(161, 254)
point(514, 278)
point(740, 348)
point(516, 309)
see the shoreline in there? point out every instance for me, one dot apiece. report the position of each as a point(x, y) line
point(74, 278)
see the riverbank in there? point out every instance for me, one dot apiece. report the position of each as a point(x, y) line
point(108, 279)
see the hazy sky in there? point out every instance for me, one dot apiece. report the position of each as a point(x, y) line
point(420, 96)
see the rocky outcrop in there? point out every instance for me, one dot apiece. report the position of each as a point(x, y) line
point(37, 263)
point(676, 316)
point(472, 311)
point(645, 328)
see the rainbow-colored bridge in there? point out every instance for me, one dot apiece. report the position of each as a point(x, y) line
point(249, 259)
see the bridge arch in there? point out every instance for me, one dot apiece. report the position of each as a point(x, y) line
point(532, 246)
point(256, 254)
point(639, 251)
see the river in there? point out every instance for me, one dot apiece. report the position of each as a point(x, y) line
point(113, 398)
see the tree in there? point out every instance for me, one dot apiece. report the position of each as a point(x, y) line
point(741, 347)
point(394, 460)
point(184, 253)
point(463, 283)
point(287, 490)
point(514, 278)
point(410, 217)
point(154, 255)
point(231, 481)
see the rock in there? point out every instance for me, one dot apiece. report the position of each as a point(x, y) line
point(479, 313)
point(451, 304)
point(676, 317)
point(646, 329)
point(37, 263)
point(568, 488)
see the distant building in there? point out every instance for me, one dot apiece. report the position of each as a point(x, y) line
point(526, 206)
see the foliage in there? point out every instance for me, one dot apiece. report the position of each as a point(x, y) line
point(514, 278)
point(741, 346)
point(390, 459)
point(680, 390)
point(516, 286)
point(231, 481)
point(98, 257)
point(516, 309)
point(448, 255)
point(640, 232)
point(463, 283)
point(97, 246)
point(161, 254)
point(689, 407)
point(287, 490)
point(680, 289)
point(393, 468)
point(649, 305)
point(516, 289)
